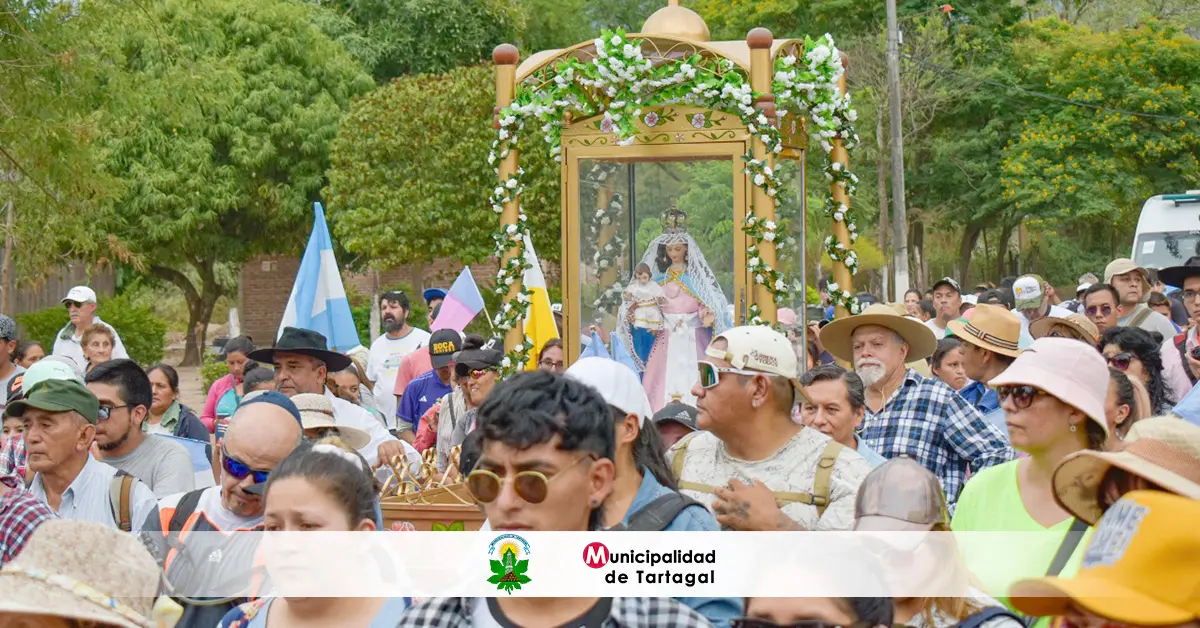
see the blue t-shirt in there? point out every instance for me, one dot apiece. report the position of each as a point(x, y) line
point(419, 396)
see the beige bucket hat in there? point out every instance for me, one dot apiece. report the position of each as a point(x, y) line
point(992, 328)
point(83, 571)
point(836, 336)
point(1079, 324)
point(316, 412)
point(1162, 450)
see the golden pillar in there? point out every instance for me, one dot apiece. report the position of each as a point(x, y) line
point(841, 273)
point(761, 72)
point(506, 56)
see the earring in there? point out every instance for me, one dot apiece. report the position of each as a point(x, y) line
point(593, 503)
point(1072, 427)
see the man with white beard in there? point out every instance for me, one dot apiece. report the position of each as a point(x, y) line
point(909, 415)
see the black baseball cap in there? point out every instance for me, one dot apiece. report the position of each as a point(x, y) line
point(443, 344)
point(677, 412)
point(947, 281)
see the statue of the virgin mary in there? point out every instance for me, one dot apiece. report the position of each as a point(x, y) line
point(694, 310)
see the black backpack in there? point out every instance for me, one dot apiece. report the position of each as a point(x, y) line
point(985, 615)
point(658, 514)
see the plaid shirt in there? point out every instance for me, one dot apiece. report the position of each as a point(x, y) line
point(12, 457)
point(627, 612)
point(20, 514)
point(927, 421)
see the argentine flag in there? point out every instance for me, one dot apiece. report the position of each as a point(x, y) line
point(318, 300)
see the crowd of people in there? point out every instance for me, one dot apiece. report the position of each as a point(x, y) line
point(1002, 410)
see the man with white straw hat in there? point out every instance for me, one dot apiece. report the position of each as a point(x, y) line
point(316, 417)
point(76, 573)
point(754, 466)
point(1133, 287)
point(907, 414)
point(1159, 454)
point(990, 344)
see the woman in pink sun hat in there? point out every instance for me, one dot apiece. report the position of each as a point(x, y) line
point(1054, 397)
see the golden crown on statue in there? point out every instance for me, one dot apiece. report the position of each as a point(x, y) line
point(674, 220)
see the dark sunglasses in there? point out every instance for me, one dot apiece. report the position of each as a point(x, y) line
point(1103, 309)
point(531, 486)
point(478, 373)
point(1121, 361)
point(710, 374)
point(756, 622)
point(106, 411)
point(68, 304)
point(239, 470)
point(1022, 395)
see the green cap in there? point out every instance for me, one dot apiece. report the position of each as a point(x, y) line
point(58, 395)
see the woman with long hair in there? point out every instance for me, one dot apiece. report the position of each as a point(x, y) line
point(225, 393)
point(912, 302)
point(324, 488)
point(1135, 352)
point(1054, 396)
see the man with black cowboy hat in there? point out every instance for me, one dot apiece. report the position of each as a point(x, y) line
point(1187, 279)
point(907, 414)
point(302, 362)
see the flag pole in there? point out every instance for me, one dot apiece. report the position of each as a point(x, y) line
point(489, 318)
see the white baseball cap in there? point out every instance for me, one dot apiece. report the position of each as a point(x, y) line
point(50, 367)
point(760, 348)
point(80, 294)
point(617, 383)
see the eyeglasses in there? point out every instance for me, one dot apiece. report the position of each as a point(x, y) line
point(710, 374)
point(531, 486)
point(1121, 361)
point(239, 470)
point(1022, 395)
point(552, 365)
point(106, 411)
point(479, 373)
point(1189, 295)
point(757, 622)
point(1104, 310)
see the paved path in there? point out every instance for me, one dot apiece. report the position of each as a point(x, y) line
point(191, 388)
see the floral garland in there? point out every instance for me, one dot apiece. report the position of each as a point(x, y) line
point(618, 83)
point(606, 256)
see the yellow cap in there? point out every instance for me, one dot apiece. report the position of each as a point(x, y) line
point(1140, 567)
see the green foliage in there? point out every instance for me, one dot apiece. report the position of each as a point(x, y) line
point(214, 368)
point(424, 36)
point(409, 176)
point(140, 330)
point(219, 125)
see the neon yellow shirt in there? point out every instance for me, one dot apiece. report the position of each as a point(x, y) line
point(991, 502)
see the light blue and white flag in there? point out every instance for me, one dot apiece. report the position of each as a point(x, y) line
point(318, 300)
point(595, 348)
point(200, 452)
point(621, 354)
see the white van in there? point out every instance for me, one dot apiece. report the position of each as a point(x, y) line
point(1168, 231)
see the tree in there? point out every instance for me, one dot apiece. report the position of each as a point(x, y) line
point(409, 178)
point(227, 110)
point(431, 36)
point(46, 133)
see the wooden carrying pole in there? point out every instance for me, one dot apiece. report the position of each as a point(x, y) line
point(506, 56)
point(841, 273)
point(759, 40)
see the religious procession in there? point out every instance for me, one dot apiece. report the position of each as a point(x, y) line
point(452, 314)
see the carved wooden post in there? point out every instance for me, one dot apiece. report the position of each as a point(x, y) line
point(761, 72)
point(506, 57)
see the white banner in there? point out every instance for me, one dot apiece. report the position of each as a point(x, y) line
point(575, 564)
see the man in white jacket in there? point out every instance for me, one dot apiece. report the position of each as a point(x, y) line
point(81, 303)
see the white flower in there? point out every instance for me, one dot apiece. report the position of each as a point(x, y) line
point(616, 40)
point(508, 282)
point(511, 229)
point(498, 192)
point(838, 216)
point(506, 363)
point(759, 179)
point(769, 236)
point(770, 224)
point(753, 262)
point(771, 192)
point(759, 279)
point(780, 285)
point(628, 50)
point(832, 288)
point(511, 183)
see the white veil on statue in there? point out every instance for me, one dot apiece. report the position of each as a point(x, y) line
point(700, 281)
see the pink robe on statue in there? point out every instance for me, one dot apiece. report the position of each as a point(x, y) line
point(672, 367)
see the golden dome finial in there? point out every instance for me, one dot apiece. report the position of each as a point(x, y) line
point(675, 20)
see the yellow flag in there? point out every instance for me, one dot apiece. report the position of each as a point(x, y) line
point(539, 319)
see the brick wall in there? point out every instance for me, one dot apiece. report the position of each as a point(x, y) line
point(266, 283)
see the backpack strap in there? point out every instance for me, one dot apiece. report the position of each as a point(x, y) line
point(677, 461)
point(821, 483)
point(184, 509)
point(1181, 347)
point(984, 615)
point(119, 489)
point(1067, 547)
point(1140, 318)
point(658, 514)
